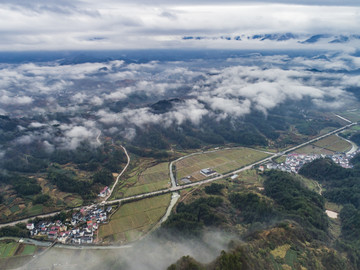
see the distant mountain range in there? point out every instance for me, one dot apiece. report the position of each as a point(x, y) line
point(303, 39)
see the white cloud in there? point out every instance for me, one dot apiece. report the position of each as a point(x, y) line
point(118, 25)
point(7, 99)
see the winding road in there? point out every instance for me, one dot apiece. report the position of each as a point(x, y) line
point(174, 187)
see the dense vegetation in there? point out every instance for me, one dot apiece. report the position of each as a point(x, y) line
point(67, 181)
point(253, 207)
point(189, 219)
point(286, 214)
point(22, 185)
point(297, 202)
point(342, 187)
point(214, 189)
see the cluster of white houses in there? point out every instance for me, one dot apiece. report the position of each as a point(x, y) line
point(79, 230)
point(294, 162)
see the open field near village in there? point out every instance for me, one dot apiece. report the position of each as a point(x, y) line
point(221, 161)
point(14, 254)
point(326, 146)
point(153, 178)
point(145, 177)
point(134, 219)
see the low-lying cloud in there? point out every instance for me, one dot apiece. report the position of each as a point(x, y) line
point(115, 97)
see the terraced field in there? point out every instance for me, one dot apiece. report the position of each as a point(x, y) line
point(134, 219)
point(221, 161)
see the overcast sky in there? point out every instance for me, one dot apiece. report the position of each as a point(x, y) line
point(110, 24)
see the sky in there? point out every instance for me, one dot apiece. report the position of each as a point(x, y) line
point(140, 24)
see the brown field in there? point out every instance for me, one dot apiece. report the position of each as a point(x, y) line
point(221, 161)
point(134, 219)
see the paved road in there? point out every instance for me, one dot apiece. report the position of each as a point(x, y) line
point(343, 118)
point(120, 174)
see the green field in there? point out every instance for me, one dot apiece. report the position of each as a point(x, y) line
point(151, 179)
point(8, 249)
point(222, 161)
point(134, 219)
point(333, 143)
point(327, 146)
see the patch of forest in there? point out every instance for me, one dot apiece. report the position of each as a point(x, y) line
point(286, 215)
point(342, 186)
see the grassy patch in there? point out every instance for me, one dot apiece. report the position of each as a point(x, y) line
point(333, 143)
point(151, 179)
point(28, 250)
point(280, 159)
point(326, 146)
point(280, 251)
point(35, 210)
point(222, 161)
point(134, 219)
point(8, 249)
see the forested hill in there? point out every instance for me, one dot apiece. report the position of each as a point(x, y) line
point(283, 227)
point(342, 186)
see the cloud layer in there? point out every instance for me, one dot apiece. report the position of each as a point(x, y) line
point(76, 102)
point(161, 24)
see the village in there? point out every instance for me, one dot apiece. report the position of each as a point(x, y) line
point(294, 161)
point(80, 229)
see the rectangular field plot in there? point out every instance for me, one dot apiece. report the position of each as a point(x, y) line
point(222, 161)
point(333, 143)
point(311, 149)
point(134, 219)
point(151, 179)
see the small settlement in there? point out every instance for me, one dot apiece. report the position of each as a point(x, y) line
point(294, 162)
point(79, 230)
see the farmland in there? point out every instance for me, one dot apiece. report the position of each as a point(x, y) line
point(327, 146)
point(145, 177)
point(221, 161)
point(134, 219)
point(14, 254)
point(153, 178)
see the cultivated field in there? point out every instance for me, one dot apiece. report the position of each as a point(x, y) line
point(152, 179)
point(221, 161)
point(134, 219)
point(327, 146)
point(14, 254)
point(143, 178)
